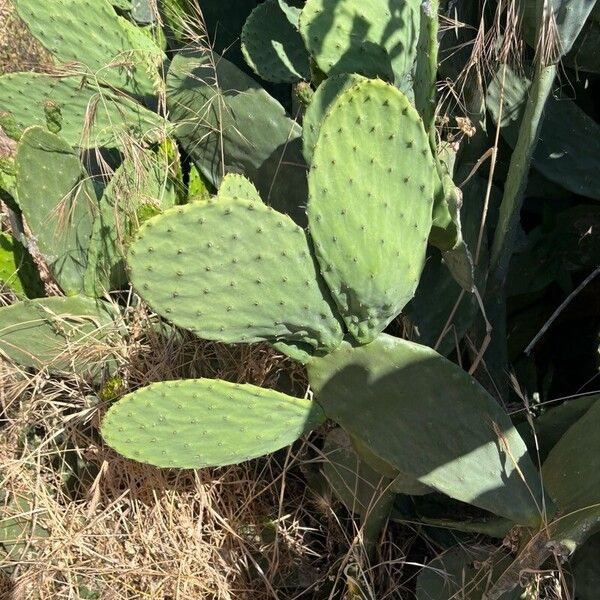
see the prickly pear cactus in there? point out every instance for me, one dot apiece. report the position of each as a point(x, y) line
point(323, 99)
point(206, 422)
point(371, 196)
point(272, 45)
point(91, 116)
point(377, 38)
point(87, 33)
point(234, 271)
point(58, 202)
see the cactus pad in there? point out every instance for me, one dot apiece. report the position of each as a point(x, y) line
point(233, 271)
point(572, 478)
point(272, 45)
point(236, 127)
point(238, 187)
point(320, 104)
point(205, 422)
point(59, 203)
point(371, 38)
point(56, 333)
point(90, 117)
point(370, 204)
point(140, 184)
point(398, 398)
point(88, 32)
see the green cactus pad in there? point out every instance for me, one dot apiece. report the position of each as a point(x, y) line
point(272, 45)
point(205, 422)
point(572, 477)
point(426, 417)
point(59, 203)
point(233, 271)
point(238, 187)
point(88, 32)
point(17, 269)
point(371, 193)
point(327, 93)
point(237, 128)
point(56, 333)
point(372, 38)
point(141, 183)
point(90, 116)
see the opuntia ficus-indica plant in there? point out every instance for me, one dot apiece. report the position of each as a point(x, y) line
point(315, 242)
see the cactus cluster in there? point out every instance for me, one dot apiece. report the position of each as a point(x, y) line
point(312, 232)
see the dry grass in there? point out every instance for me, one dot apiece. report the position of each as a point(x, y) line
point(110, 528)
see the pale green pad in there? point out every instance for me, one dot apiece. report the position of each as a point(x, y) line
point(272, 45)
point(58, 201)
point(237, 128)
point(140, 184)
point(17, 269)
point(371, 194)
point(56, 333)
point(355, 36)
point(88, 32)
point(198, 423)
point(465, 573)
point(90, 116)
point(572, 477)
point(428, 418)
point(327, 93)
point(238, 187)
point(233, 271)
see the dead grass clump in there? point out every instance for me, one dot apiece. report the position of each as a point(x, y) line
point(92, 524)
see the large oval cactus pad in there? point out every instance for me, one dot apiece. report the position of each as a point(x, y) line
point(205, 422)
point(370, 203)
point(233, 271)
point(428, 418)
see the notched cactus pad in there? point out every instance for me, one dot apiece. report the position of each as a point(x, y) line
point(205, 422)
point(272, 45)
point(374, 38)
point(426, 417)
point(234, 271)
point(371, 195)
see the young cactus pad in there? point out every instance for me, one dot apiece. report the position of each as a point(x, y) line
point(233, 271)
point(371, 195)
point(426, 417)
point(205, 422)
